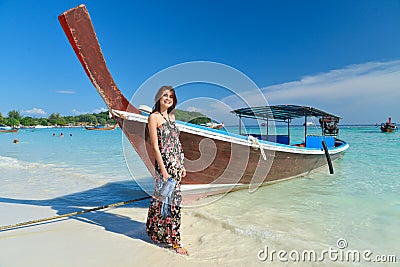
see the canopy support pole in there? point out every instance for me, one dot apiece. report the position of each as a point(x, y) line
point(240, 125)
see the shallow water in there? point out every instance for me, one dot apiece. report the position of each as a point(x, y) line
point(359, 203)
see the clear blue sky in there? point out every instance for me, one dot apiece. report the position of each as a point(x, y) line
point(340, 56)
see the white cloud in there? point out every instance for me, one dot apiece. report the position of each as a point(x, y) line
point(363, 80)
point(76, 112)
point(97, 110)
point(192, 109)
point(34, 111)
point(362, 93)
point(65, 92)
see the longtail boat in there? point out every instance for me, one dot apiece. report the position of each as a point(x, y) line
point(216, 161)
point(101, 128)
point(7, 129)
point(389, 126)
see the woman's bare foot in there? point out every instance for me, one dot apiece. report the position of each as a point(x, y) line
point(180, 250)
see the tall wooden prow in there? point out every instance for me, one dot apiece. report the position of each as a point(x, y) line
point(78, 27)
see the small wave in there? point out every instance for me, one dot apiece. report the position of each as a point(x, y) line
point(47, 169)
point(238, 228)
point(8, 162)
point(7, 159)
point(22, 179)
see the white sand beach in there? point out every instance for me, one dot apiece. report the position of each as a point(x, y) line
point(116, 237)
point(119, 240)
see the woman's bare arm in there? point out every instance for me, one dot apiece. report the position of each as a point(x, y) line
point(153, 124)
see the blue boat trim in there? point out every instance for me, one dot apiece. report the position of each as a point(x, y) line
point(222, 132)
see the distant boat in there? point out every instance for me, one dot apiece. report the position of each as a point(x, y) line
point(43, 127)
point(101, 127)
point(210, 124)
point(309, 123)
point(213, 125)
point(7, 129)
point(389, 126)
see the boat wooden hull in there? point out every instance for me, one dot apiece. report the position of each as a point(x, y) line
point(215, 162)
point(101, 128)
point(388, 129)
point(230, 163)
point(9, 131)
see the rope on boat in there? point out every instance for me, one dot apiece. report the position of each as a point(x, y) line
point(17, 225)
point(125, 115)
point(117, 113)
point(255, 143)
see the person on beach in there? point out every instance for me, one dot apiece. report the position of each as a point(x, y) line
point(164, 215)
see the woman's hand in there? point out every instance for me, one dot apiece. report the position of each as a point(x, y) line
point(165, 175)
point(183, 172)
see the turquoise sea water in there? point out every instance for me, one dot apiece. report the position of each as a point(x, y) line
point(359, 203)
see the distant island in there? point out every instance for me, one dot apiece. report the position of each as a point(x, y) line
point(14, 119)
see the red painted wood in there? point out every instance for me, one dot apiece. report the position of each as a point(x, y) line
point(78, 27)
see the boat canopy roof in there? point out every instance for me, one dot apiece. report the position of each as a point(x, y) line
point(282, 112)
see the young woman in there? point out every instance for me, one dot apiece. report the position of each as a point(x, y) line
point(164, 216)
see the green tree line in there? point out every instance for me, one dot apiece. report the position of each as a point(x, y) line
point(14, 118)
point(191, 116)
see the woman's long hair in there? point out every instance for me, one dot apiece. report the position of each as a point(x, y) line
point(158, 96)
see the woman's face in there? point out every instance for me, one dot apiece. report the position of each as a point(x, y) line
point(167, 99)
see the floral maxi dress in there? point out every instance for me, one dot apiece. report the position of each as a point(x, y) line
point(167, 230)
